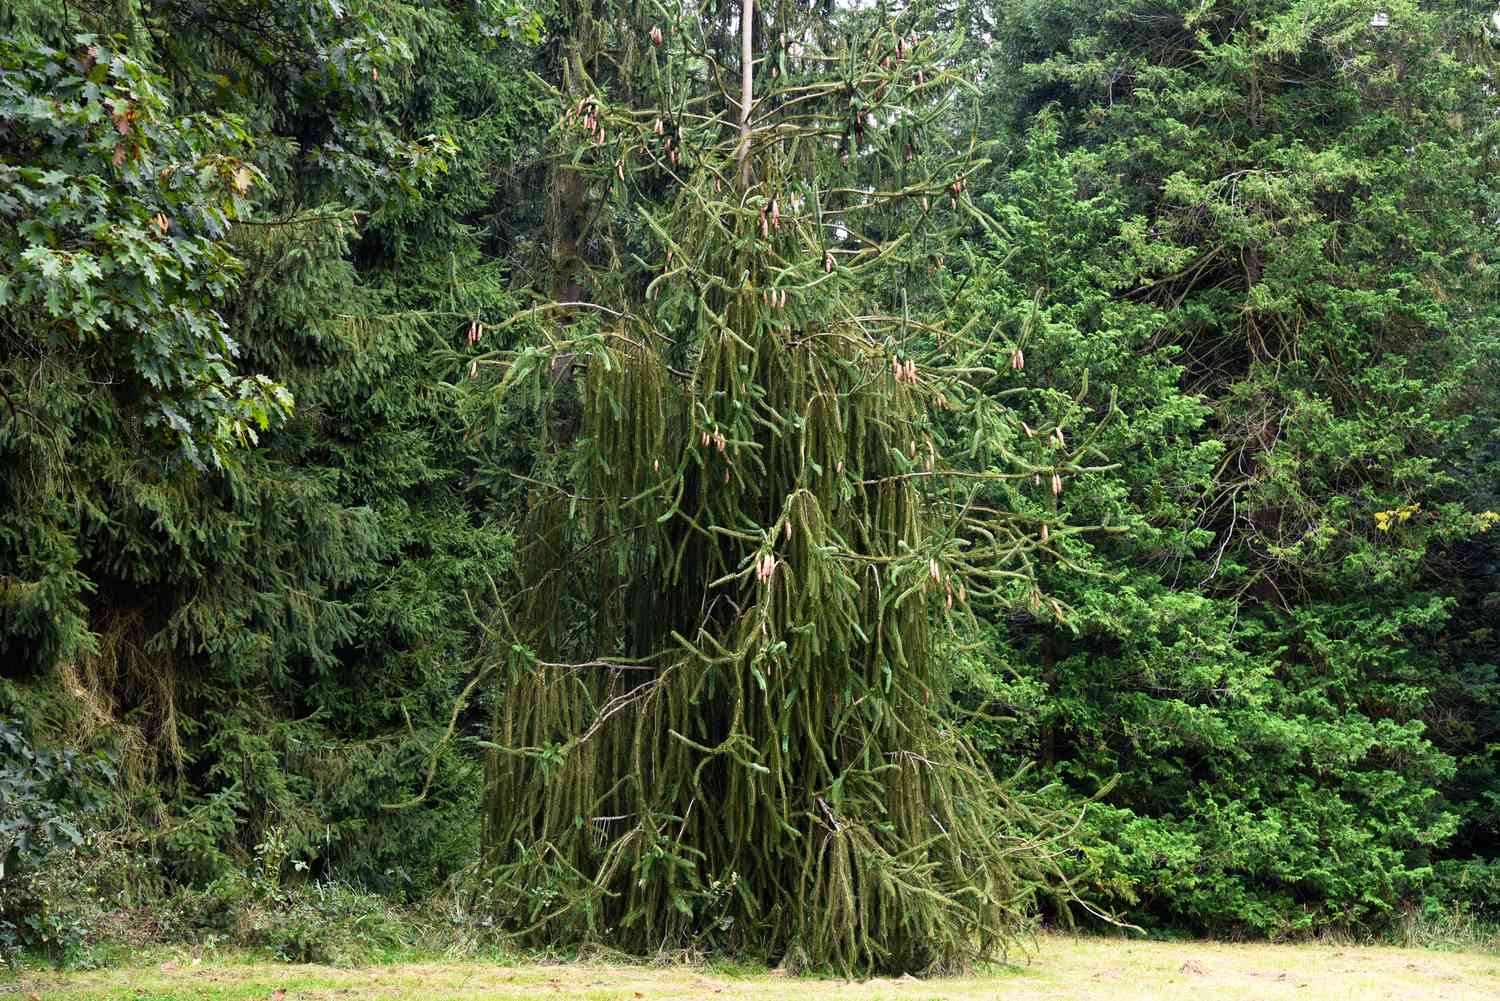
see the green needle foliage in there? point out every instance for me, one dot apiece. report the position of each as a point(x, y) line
point(723, 704)
point(1271, 226)
point(270, 637)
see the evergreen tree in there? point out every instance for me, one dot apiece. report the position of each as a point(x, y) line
point(1272, 222)
point(722, 717)
point(275, 639)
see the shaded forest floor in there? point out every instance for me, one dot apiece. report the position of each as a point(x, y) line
point(1060, 969)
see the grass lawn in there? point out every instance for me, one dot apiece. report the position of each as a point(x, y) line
point(1061, 967)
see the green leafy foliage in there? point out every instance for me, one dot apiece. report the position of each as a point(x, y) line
point(274, 638)
point(48, 799)
point(1267, 226)
point(116, 212)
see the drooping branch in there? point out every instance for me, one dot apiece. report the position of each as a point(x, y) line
point(758, 502)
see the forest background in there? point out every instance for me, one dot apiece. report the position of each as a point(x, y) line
point(256, 496)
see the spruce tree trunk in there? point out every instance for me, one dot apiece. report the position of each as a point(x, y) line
point(747, 85)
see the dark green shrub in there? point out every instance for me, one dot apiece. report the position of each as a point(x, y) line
point(47, 799)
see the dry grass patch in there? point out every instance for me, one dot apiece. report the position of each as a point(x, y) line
point(1061, 969)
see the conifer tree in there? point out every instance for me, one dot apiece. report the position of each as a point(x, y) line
point(256, 203)
point(723, 714)
point(1275, 219)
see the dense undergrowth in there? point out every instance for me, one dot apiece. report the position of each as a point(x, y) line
point(79, 895)
point(77, 918)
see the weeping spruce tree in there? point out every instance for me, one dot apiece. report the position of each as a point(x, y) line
point(723, 715)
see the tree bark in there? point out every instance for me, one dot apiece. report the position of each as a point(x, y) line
point(747, 84)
